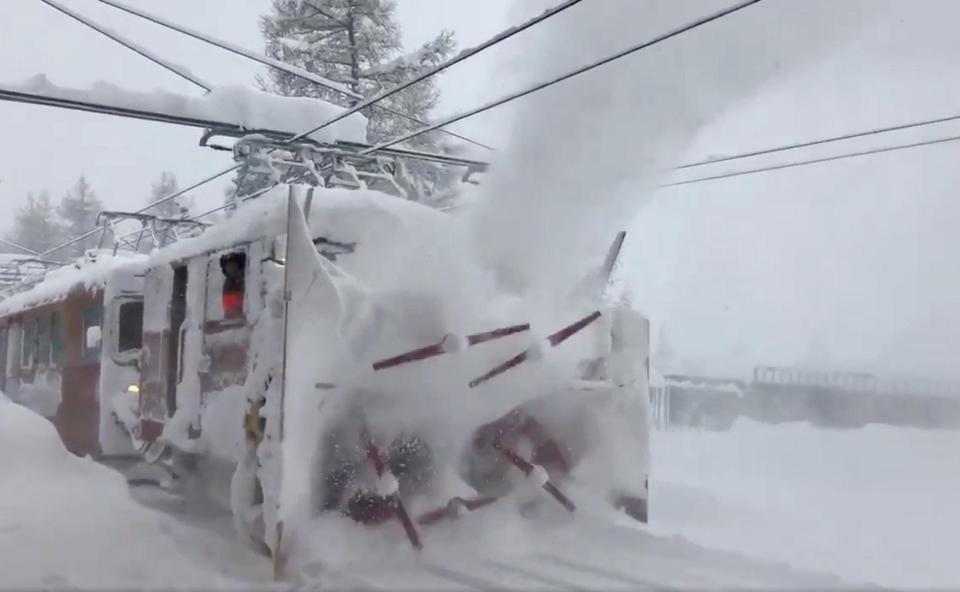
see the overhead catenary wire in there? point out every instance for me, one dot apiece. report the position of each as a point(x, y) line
point(20, 247)
point(540, 86)
point(790, 165)
point(149, 206)
point(276, 64)
point(658, 39)
point(178, 70)
point(811, 143)
point(466, 53)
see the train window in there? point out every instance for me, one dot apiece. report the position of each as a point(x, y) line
point(56, 339)
point(28, 343)
point(234, 268)
point(130, 331)
point(43, 341)
point(91, 318)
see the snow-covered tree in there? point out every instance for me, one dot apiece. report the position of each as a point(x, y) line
point(356, 43)
point(78, 210)
point(175, 208)
point(35, 225)
point(162, 187)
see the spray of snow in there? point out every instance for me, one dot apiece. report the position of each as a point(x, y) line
point(586, 154)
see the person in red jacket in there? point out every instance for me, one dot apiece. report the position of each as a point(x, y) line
point(233, 267)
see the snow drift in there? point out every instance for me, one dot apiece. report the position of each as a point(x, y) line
point(69, 522)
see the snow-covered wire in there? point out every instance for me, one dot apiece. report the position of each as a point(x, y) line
point(791, 165)
point(849, 136)
point(16, 246)
point(466, 53)
point(262, 59)
point(530, 90)
point(139, 49)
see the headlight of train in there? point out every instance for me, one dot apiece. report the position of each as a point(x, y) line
point(133, 389)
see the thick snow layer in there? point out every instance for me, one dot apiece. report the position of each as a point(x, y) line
point(57, 283)
point(336, 213)
point(878, 504)
point(68, 522)
point(244, 106)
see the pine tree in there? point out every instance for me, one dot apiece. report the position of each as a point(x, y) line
point(175, 208)
point(78, 210)
point(356, 43)
point(35, 225)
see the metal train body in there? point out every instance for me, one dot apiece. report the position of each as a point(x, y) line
point(185, 353)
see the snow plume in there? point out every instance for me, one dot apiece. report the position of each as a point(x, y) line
point(585, 154)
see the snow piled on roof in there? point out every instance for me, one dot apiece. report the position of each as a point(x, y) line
point(245, 106)
point(83, 275)
point(340, 214)
point(68, 522)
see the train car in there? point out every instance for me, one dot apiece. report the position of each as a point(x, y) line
point(71, 337)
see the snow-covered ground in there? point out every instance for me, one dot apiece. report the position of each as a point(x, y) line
point(70, 522)
point(871, 505)
point(879, 504)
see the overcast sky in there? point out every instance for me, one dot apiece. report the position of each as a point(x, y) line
point(849, 264)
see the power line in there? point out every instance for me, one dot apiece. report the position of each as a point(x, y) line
point(850, 136)
point(466, 53)
point(179, 71)
point(511, 97)
point(815, 161)
point(277, 64)
point(21, 247)
point(673, 33)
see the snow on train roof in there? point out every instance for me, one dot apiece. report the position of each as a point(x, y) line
point(345, 214)
point(245, 106)
point(348, 214)
point(85, 275)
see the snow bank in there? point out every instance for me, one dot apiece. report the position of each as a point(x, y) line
point(243, 106)
point(877, 504)
point(69, 522)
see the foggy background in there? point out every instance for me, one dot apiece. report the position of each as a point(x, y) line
point(843, 264)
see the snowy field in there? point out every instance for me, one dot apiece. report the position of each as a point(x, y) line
point(880, 504)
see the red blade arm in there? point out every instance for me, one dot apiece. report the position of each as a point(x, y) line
point(553, 339)
point(423, 353)
point(478, 338)
point(438, 349)
point(498, 370)
point(373, 453)
point(527, 468)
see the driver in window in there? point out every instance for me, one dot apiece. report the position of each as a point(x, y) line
point(233, 284)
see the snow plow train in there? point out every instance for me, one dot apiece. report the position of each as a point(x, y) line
point(347, 391)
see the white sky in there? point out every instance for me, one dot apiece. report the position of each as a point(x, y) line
point(847, 263)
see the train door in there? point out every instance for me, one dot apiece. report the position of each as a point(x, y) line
point(3, 359)
point(164, 293)
point(231, 296)
point(122, 358)
point(178, 314)
point(11, 363)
